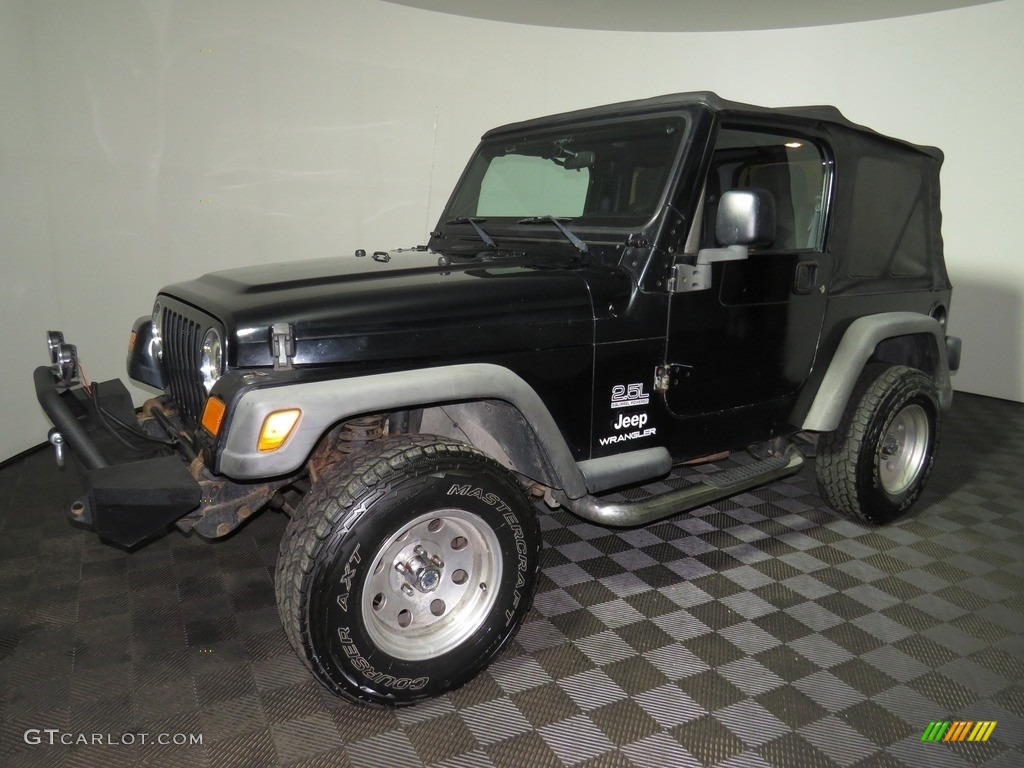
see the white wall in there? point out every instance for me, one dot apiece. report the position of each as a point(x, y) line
point(148, 141)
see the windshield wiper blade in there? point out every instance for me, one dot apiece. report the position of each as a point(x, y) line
point(577, 243)
point(488, 240)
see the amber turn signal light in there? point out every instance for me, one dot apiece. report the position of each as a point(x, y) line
point(276, 429)
point(213, 415)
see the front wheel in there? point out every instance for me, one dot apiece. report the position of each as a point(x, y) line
point(876, 463)
point(405, 572)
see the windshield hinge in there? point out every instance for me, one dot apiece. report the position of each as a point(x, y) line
point(283, 345)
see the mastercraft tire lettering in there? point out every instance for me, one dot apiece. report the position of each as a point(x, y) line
point(407, 570)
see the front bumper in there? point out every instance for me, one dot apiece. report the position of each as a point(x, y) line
point(133, 490)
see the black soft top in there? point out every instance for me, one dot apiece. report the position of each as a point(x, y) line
point(821, 113)
point(878, 204)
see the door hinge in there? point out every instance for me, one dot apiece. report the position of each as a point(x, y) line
point(283, 344)
point(666, 376)
point(662, 379)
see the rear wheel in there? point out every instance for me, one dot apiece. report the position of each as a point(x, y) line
point(876, 463)
point(405, 572)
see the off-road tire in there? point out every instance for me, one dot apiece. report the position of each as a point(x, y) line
point(347, 562)
point(874, 466)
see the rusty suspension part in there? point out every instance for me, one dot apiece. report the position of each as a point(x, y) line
point(224, 505)
point(345, 439)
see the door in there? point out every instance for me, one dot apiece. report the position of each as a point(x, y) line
point(751, 337)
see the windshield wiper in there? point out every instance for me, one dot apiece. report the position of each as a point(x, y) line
point(488, 240)
point(577, 243)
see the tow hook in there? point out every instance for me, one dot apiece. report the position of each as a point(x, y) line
point(56, 439)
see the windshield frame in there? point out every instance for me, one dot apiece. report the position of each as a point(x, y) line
point(589, 226)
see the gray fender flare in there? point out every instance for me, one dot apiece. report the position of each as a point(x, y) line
point(323, 403)
point(856, 348)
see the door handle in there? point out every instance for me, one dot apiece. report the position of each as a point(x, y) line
point(805, 278)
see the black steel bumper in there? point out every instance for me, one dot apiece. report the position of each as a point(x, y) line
point(133, 491)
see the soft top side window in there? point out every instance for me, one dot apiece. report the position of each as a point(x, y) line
point(793, 169)
point(888, 222)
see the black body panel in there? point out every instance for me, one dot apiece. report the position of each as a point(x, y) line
point(351, 310)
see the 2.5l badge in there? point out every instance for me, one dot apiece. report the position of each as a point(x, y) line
point(629, 395)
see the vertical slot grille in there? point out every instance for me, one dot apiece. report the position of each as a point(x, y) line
point(182, 339)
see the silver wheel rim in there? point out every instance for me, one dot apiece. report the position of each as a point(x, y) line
point(904, 449)
point(432, 584)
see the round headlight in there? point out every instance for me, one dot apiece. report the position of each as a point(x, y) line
point(211, 360)
point(158, 323)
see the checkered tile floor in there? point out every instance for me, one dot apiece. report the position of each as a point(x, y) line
point(762, 631)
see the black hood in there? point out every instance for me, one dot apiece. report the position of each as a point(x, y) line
point(374, 311)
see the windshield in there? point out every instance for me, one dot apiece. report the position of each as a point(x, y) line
point(608, 175)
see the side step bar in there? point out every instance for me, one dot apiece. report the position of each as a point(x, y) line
point(715, 487)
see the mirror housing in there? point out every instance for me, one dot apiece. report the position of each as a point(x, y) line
point(746, 217)
point(583, 159)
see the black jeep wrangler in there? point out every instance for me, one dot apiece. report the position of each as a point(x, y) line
point(609, 292)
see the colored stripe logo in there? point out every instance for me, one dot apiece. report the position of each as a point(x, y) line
point(959, 730)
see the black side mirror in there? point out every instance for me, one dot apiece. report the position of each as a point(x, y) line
point(746, 217)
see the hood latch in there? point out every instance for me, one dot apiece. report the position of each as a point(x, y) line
point(283, 344)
